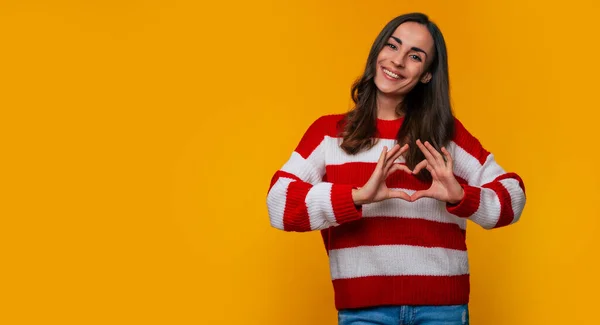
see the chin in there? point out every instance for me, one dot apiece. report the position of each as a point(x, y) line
point(385, 88)
point(389, 91)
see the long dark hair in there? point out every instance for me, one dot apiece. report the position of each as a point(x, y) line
point(427, 110)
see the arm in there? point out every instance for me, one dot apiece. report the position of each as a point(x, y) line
point(298, 199)
point(493, 198)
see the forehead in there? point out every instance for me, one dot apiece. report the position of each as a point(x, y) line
point(414, 34)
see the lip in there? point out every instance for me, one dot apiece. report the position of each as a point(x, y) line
point(393, 71)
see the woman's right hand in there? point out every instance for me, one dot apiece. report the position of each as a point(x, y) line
point(375, 189)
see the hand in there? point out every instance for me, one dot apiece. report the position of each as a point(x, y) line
point(444, 186)
point(375, 189)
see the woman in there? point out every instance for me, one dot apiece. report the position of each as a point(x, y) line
point(394, 221)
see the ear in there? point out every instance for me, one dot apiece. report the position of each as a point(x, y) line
point(426, 77)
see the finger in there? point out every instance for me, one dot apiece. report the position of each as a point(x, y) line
point(399, 194)
point(392, 151)
point(396, 167)
point(381, 160)
point(426, 152)
point(448, 158)
point(391, 170)
point(420, 166)
point(402, 150)
point(390, 161)
point(438, 157)
point(431, 171)
point(404, 147)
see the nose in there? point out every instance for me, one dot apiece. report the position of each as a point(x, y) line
point(398, 59)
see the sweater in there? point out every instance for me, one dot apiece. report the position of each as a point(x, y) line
point(391, 252)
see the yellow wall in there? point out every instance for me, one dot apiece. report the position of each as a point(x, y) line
point(139, 138)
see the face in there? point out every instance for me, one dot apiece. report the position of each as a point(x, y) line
point(403, 61)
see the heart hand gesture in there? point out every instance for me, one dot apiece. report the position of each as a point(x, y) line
point(444, 186)
point(376, 189)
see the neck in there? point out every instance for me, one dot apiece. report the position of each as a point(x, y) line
point(386, 107)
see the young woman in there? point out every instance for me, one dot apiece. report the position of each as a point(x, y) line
point(391, 185)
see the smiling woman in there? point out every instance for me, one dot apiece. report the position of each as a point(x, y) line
point(413, 64)
point(394, 221)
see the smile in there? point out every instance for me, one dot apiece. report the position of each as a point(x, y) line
point(390, 74)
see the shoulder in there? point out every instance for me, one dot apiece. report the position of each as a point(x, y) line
point(327, 125)
point(467, 141)
point(459, 128)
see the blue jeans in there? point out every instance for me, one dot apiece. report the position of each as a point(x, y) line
point(406, 315)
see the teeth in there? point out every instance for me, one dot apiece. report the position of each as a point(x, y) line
point(391, 74)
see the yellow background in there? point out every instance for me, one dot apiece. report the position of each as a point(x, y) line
point(139, 139)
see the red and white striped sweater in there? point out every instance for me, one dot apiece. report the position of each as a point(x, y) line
point(392, 252)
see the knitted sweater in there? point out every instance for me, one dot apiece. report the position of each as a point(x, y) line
point(392, 252)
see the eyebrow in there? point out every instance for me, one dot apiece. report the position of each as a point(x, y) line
point(412, 48)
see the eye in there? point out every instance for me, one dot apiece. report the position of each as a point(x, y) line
point(392, 46)
point(415, 57)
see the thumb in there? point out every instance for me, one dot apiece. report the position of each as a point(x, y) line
point(419, 194)
point(399, 194)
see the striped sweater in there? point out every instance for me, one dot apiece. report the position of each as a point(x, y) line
point(392, 252)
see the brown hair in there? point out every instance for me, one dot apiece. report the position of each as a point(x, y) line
point(427, 110)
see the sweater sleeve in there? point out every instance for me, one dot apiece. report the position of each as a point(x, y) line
point(298, 200)
point(493, 198)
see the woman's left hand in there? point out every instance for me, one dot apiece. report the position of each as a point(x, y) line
point(444, 186)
